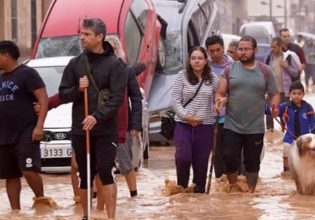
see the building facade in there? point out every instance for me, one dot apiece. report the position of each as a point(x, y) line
point(20, 21)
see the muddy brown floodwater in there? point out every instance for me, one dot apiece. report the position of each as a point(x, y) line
point(275, 196)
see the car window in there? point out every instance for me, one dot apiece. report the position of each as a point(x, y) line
point(58, 46)
point(52, 77)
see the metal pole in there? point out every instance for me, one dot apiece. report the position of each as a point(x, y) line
point(88, 159)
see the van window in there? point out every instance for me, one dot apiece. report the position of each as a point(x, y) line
point(140, 9)
point(134, 28)
point(199, 21)
point(132, 39)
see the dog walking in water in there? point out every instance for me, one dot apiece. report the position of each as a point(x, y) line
point(302, 164)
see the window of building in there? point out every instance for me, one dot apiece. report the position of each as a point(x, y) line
point(33, 21)
point(14, 34)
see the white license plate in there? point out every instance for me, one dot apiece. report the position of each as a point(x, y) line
point(55, 152)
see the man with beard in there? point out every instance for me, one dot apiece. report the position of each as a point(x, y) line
point(242, 91)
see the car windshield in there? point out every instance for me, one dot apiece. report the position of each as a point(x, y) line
point(51, 76)
point(58, 46)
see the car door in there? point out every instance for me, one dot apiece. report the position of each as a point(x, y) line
point(200, 20)
point(141, 37)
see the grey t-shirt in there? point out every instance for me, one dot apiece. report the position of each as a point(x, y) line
point(246, 99)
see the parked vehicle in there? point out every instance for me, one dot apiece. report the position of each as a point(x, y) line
point(134, 22)
point(306, 35)
point(186, 24)
point(263, 51)
point(56, 147)
point(159, 37)
point(228, 38)
point(262, 31)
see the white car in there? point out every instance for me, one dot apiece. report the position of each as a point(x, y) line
point(56, 147)
point(228, 38)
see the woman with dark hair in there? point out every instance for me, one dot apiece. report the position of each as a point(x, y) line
point(192, 97)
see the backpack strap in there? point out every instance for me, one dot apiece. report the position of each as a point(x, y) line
point(264, 69)
point(226, 73)
point(268, 58)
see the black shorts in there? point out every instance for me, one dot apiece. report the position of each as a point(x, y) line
point(22, 156)
point(102, 158)
point(232, 145)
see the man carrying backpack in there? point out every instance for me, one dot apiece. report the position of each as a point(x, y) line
point(242, 92)
point(284, 69)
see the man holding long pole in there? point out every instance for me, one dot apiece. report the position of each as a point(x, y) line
point(94, 122)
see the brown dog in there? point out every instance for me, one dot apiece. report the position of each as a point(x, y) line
point(302, 164)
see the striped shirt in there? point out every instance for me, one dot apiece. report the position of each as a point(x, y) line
point(201, 106)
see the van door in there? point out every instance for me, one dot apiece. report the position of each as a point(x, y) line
point(141, 38)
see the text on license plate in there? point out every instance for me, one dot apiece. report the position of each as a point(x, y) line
point(56, 152)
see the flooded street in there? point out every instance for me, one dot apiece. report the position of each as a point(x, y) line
point(275, 196)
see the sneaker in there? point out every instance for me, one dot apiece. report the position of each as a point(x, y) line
point(84, 218)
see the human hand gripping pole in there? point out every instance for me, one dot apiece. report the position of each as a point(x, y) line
point(274, 112)
point(88, 161)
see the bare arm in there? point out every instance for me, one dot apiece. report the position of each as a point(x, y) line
point(42, 98)
point(220, 98)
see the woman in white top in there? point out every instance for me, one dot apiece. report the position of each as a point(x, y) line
point(193, 134)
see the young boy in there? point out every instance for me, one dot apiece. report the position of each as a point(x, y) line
point(298, 118)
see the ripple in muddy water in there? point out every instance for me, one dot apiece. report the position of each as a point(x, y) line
point(275, 196)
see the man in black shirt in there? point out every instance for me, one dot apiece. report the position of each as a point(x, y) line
point(20, 129)
point(107, 72)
